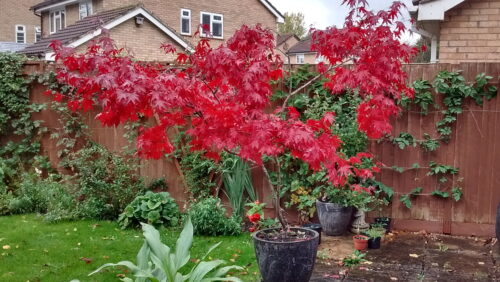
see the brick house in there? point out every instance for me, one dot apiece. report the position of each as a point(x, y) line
point(142, 26)
point(300, 52)
point(460, 30)
point(19, 27)
point(283, 44)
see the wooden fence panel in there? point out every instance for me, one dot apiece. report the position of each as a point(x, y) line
point(474, 148)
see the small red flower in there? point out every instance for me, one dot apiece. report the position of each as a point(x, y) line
point(254, 217)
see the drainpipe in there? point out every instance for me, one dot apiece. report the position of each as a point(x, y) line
point(434, 44)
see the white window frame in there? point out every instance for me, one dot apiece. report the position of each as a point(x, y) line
point(89, 10)
point(188, 18)
point(52, 19)
point(301, 55)
point(38, 30)
point(23, 31)
point(212, 15)
point(320, 59)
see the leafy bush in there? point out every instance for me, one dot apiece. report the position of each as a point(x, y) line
point(154, 208)
point(50, 196)
point(198, 170)
point(106, 182)
point(156, 261)
point(209, 218)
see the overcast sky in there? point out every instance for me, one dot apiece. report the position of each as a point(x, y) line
point(324, 13)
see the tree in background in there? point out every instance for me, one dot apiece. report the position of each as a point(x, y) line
point(294, 23)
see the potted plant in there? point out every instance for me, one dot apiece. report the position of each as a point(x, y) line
point(375, 235)
point(360, 242)
point(222, 96)
point(384, 222)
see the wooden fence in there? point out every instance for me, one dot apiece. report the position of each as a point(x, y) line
point(474, 148)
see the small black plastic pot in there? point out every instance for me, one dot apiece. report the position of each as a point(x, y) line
point(316, 227)
point(286, 261)
point(385, 222)
point(374, 243)
point(334, 218)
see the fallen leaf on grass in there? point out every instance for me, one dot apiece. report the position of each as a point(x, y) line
point(414, 255)
point(6, 247)
point(86, 260)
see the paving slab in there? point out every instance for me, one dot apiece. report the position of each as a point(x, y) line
point(411, 257)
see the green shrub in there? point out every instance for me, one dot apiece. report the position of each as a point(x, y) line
point(154, 208)
point(6, 198)
point(106, 182)
point(49, 196)
point(209, 218)
point(31, 196)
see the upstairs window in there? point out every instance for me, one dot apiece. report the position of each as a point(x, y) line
point(185, 21)
point(85, 9)
point(20, 34)
point(300, 58)
point(38, 33)
point(214, 23)
point(57, 20)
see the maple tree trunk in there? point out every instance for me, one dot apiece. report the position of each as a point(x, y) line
point(276, 198)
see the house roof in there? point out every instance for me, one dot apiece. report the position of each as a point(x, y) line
point(12, 46)
point(282, 38)
point(432, 10)
point(416, 2)
point(279, 16)
point(85, 29)
point(303, 46)
point(47, 3)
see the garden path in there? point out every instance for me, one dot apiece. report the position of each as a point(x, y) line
point(412, 257)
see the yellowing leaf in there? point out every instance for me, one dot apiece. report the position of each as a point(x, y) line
point(414, 255)
point(6, 247)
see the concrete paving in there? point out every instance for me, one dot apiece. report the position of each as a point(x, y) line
point(412, 257)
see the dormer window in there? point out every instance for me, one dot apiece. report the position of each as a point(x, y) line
point(85, 9)
point(57, 20)
point(185, 22)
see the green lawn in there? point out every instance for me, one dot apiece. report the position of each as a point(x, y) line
point(34, 250)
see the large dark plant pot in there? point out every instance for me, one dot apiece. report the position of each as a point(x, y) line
point(286, 261)
point(334, 218)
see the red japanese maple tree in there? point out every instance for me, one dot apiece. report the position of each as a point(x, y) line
point(223, 93)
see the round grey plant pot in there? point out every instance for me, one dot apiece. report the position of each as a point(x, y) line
point(334, 218)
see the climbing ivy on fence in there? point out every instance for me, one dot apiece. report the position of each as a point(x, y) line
point(455, 90)
point(16, 111)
